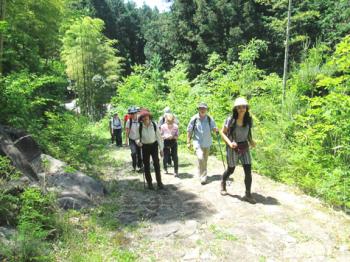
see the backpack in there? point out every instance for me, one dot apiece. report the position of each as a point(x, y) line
point(195, 121)
point(141, 125)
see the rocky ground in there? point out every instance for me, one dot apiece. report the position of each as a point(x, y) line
point(191, 222)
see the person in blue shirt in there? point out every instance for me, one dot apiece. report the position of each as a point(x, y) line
point(199, 130)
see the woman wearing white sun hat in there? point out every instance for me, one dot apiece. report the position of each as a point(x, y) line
point(238, 137)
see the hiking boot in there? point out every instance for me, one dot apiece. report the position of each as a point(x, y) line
point(248, 197)
point(223, 188)
point(160, 186)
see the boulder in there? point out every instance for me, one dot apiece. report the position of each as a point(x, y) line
point(7, 234)
point(19, 159)
point(75, 190)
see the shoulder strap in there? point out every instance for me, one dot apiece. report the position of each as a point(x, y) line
point(155, 127)
point(209, 121)
point(194, 125)
point(231, 126)
point(130, 123)
point(140, 130)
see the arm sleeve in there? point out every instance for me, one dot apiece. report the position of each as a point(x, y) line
point(212, 123)
point(161, 128)
point(159, 139)
point(176, 131)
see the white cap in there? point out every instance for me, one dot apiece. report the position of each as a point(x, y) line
point(167, 110)
point(240, 101)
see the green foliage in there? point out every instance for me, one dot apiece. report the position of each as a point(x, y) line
point(92, 64)
point(71, 138)
point(310, 145)
point(37, 223)
point(220, 234)
point(32, 34)
point(9, 203)
point(26, 97)
point(142, 88)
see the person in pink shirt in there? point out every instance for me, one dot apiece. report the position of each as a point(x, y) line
point(170, 132)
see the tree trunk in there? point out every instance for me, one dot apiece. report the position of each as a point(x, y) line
point(286, 52)
point(2, 18)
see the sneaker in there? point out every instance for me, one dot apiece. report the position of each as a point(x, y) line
point(150, 187)
point(223, 191)
point(166, 171)
point(160, 186)
point(203, 180)
point(248, 197)
point(176, 175)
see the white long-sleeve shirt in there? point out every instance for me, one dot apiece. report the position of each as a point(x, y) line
point(149, 136)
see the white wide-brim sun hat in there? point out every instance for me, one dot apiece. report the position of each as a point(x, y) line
point(240, 101)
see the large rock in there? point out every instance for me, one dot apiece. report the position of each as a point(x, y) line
point(75, 190)
point(7, 234)
point(19, 158)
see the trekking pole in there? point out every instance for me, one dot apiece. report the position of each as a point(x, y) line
point(143, 170)
point(222, 155)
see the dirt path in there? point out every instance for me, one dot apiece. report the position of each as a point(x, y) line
point(191, 222)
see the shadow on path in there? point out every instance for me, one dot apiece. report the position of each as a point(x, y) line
point(137, 204)
point(259, 199)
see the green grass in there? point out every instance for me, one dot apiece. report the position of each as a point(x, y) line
point(94, 236)
point(222, 235)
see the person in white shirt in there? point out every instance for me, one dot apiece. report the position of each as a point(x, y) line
point(149, 141)
point(115, 127)
point(132, 134)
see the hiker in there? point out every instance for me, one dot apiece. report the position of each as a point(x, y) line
point(115, 126)
point(162, 118)
point(200, 127)
point(132, 134)
point(170, 132)
point(238, 136)
point(149, 141)
point(126, 118)
point(161, 121)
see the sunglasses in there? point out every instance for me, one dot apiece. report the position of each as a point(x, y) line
point(241, 107)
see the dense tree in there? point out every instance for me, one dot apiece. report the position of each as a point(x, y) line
point(92, 64)
point(125, 23)
point(32, 33)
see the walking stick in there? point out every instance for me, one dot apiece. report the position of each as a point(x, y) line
point(143, 170)
point(222, 155)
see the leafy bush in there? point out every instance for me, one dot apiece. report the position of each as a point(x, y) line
point(71, 138)
point(37, 223)
point(9, 203)
point(26, 97)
